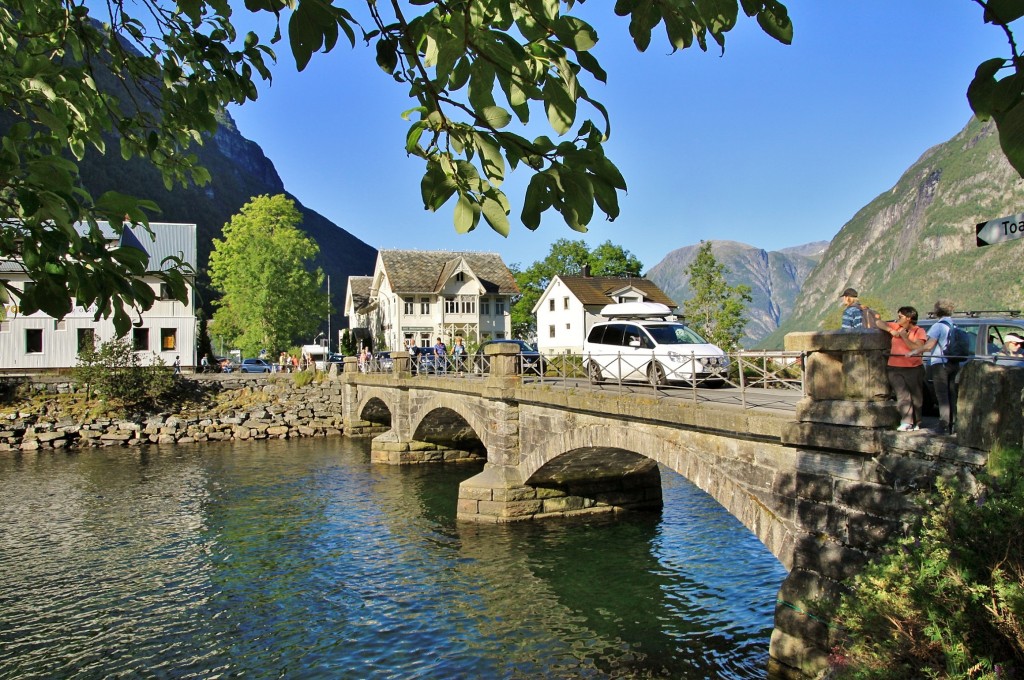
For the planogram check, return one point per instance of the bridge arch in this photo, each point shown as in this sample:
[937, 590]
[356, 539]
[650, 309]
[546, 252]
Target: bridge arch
[447, 428]
[701, 458]
[375, 403]
[431, 411]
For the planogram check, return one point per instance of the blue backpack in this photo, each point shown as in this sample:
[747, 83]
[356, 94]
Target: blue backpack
[958, 343]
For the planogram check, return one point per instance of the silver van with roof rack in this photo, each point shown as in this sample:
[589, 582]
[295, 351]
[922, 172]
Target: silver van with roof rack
[987, 328]
[643, 341]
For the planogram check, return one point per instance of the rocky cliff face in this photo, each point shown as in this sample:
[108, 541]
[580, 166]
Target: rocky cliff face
[774, 278]
[916, 242]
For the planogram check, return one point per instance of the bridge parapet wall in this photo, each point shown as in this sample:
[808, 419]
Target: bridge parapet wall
[846, 405]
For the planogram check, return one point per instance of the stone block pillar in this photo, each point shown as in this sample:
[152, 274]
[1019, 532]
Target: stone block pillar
[504, 363]
[846, 403]
[401, 363]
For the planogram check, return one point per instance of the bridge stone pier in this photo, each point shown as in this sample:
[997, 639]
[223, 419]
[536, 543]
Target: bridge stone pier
[823, 490]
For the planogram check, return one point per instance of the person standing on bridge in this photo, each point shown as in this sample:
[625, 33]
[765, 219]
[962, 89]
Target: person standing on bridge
[856, 315]
[906, 371]
[440, 356]
[940, 369]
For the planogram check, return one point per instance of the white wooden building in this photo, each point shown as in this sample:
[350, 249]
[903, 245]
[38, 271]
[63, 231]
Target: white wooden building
[569, 306]
[39, 342]
[421, 295]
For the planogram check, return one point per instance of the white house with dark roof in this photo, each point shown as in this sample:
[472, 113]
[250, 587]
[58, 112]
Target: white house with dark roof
[167, 330]
[569, 306]
[420, 295]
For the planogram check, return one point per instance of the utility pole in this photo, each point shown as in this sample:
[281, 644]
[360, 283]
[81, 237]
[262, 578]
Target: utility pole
[328, 314]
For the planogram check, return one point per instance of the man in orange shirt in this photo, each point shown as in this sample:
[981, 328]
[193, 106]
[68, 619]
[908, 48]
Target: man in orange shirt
[906, 371]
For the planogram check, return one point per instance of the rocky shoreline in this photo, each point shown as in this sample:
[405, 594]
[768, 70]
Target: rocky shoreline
[242, 408]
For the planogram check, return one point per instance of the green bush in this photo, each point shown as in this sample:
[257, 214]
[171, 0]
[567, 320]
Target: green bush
[113, 370]
[947, 602]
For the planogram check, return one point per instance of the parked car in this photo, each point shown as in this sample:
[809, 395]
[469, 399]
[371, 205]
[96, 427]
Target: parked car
[255, 366]
[532, 362]
[382, 361]
[986, 328]
[640, 342]
[423, 360]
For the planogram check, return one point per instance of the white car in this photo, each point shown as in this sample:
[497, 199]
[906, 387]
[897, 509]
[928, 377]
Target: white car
[641, 342]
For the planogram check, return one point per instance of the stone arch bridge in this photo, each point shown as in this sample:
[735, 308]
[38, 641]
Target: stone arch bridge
[823, 490]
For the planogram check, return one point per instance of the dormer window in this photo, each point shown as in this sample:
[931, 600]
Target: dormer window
[460, 276]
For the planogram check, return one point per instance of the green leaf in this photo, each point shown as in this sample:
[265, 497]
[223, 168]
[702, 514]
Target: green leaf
[466, 215]
[775, 22]
[496, 117]
[1011, 135]
[538, 198]
[981, 91]
[492, 160]
[561, 109]
[496, 215]
[576, 33]
[1003, 11]
[387, 55]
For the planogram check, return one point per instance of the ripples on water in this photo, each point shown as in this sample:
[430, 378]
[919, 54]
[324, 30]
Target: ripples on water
[298, 559]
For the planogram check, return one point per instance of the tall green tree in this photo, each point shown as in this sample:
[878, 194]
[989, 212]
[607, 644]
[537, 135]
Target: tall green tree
[566, 258]
[270, 296]
[716, 309]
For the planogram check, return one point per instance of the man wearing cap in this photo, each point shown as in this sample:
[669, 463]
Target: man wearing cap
[853, 315]
[1010, 354]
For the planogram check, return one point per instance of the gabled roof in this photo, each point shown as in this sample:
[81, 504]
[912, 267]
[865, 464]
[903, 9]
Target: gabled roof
[598, 290]
[426, 271]
[168, 239]
[359, 291]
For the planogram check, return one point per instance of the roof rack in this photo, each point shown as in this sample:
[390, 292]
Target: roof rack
[976, 313]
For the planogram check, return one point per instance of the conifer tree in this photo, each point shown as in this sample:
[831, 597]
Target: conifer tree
[716, 310]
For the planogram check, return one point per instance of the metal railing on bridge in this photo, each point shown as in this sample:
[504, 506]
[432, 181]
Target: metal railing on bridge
[766, 379]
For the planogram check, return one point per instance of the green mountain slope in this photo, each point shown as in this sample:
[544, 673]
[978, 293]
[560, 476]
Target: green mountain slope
[916, 242]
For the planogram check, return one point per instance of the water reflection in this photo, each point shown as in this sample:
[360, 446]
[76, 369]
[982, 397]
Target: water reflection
[299, 559]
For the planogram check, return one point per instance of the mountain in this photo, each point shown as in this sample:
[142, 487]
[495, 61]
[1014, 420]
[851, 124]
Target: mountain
[774, 278]
[916, 242]
[239, 170]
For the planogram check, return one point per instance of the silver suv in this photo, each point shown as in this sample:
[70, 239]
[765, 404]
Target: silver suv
[986, 328]
[641, 342]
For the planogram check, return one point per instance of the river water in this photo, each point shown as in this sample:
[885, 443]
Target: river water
[298, 559]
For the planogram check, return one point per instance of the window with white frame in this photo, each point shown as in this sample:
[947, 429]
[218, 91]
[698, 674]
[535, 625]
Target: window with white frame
[485, 307]
[425, 306]
[409, 304]
[629, 298]
[499, 308]
[460, 276]
[60, 325]
[460, 304]
[565, 302]
[551, 331]
[164, 292]
[551, 305]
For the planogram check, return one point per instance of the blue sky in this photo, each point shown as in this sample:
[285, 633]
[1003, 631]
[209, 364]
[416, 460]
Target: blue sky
[770, 145]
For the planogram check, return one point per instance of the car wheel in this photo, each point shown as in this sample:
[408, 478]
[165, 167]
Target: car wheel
[594, 371]
[656, 374]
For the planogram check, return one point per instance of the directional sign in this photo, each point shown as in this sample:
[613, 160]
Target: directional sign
[1003, 229]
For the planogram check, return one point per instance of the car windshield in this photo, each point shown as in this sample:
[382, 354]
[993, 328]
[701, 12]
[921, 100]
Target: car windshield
[674, 334]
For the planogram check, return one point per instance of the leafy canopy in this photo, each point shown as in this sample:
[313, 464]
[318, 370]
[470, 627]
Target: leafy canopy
[148, 78]
[716, 310]
[566, 258]
[269, 295]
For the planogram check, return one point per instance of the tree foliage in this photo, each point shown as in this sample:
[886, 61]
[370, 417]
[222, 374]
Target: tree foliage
[270, 296]
[149, 78]
[566, 258]
[116, 372]
[716, 309]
